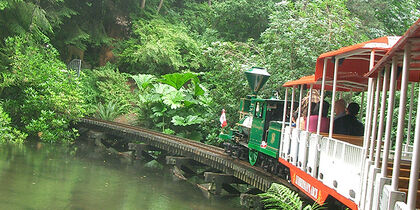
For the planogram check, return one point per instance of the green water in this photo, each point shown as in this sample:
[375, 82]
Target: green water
[55, 177]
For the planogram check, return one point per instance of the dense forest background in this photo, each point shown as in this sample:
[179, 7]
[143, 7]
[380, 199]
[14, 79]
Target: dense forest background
[170, 65]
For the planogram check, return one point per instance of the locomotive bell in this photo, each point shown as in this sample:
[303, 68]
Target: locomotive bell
[256, 77]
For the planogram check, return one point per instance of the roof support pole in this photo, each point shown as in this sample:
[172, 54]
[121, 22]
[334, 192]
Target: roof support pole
[284, 118]
[415, 163]
[371, 87]
[375, 118]
[382, 117]
[362, 106]
[369, 113]
[401, 118]
[366, 163]
[341, 94]
[300, 107]
[292, 105]
[410, 116]
[309, 107]
[390, 111]
[330, 133]
[321, 105]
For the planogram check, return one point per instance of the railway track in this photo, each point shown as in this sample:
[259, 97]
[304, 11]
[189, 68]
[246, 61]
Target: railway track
[206, 154]
[206, 147]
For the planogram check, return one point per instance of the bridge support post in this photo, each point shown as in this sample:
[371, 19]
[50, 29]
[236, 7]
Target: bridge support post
[141, 151]
[96, 137]
[182, 167]
[219, 181]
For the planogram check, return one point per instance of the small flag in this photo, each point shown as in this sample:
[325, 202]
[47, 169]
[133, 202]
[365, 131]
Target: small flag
[223, 122]
[263, 144]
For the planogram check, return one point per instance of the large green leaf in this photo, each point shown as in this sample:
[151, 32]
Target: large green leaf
[173, 99]
[177, 80]
[185, 121]
[144, 81]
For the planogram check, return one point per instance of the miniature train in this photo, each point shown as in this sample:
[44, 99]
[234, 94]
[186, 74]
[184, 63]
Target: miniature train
[257, 138]
[379, 170]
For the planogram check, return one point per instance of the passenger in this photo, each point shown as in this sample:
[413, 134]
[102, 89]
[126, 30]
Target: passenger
[313, 119]
[349, 125]
[340, 108]
[294, 118]
[305, 107]
[298, 122]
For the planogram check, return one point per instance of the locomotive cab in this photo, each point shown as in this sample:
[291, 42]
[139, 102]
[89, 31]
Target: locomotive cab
[266, 126]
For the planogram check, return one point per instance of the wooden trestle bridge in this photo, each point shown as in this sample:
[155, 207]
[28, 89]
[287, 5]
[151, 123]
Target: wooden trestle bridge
[182, 151]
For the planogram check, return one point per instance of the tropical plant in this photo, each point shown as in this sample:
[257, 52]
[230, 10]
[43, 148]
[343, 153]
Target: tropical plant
[280, 197]
[106, 85]
[176, 103]
[108, 111]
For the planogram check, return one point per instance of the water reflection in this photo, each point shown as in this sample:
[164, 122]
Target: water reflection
[53, 177]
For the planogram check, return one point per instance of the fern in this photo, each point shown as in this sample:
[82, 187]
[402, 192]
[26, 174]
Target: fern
[281, 197]
[109, 111]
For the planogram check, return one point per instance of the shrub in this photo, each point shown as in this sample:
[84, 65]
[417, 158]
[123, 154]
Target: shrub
[7, 132]
[106, 85]
[175, 104]
[108, 111]
[159, 47]
[41, 97]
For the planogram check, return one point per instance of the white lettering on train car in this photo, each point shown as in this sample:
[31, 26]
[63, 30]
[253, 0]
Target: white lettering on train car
[306, 186]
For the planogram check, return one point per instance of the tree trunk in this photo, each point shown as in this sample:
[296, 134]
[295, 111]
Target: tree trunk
[143, 4]
[209, 3]
[160, 6]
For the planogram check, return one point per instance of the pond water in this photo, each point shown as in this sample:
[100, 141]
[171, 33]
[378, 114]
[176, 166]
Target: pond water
[58, 177]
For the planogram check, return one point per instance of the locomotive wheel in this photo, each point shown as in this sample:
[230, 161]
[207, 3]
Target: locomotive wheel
[252, 156]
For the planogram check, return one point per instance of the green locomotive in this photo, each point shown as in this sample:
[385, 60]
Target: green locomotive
[258, 133]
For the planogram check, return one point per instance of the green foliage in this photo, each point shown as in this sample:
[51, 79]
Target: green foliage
[50, 127]
[226, 80]
[185, 121]
[159, 47]
[38, 94]
[108, 111]
[106, 85]
[18, 17]
[7, 132]
[302, 30]
[177, 80]
[198, 17]
[280, 197]
[171, 110]
[239, 20]
[384, 18]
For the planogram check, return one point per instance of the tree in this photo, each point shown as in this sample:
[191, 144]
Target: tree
[158, 47]
[302, 30]
[239, 20]
[143, 4]
[159, 7]
[18, 17]
[384, 18]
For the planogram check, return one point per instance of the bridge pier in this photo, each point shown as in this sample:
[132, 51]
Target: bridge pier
[219, 181]
[182, 167]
